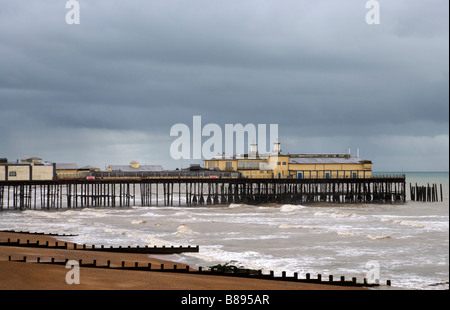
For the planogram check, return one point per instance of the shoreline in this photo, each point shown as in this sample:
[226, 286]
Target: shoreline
[30, 275]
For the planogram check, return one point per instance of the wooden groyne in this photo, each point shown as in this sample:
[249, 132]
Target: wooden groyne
[58, 194]
[426, 193]
[38, 233]
[102, 248]
[241, 273]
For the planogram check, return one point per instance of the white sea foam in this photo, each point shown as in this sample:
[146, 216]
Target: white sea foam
[290, 208]
[209, 254]
[404, 222]
[378, 237]
[237, 205]
[45, 214]
[183, 230]
[94, 212]
[410, 223]
[152, 214]
[183, 213]
[138, 222]
[344, 215]
[151, 240]
[287, 226]
[247, 259]
[320, 213]
[346, 233]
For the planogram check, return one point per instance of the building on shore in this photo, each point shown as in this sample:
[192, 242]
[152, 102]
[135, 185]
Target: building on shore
[29, 169]
[293, 166]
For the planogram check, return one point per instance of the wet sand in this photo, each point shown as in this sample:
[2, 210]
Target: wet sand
[33, 276]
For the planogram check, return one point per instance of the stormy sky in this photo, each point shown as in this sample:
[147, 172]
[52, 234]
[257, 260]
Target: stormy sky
[108, 90]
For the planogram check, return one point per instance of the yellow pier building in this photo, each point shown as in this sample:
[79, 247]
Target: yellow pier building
[293, 166]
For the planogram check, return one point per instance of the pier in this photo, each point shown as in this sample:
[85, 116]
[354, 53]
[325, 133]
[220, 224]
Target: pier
[82, 193]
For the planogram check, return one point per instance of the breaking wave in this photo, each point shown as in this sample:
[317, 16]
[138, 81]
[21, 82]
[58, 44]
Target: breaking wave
[138, 222]
[46, 214]
[378, 237]
[236, 205]
[411, 223]
[290, 208]
[344, 215]
[346, 233]
[183, 230]
[405, 223]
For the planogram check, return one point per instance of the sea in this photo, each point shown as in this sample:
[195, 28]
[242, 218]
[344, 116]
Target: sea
[407, 243]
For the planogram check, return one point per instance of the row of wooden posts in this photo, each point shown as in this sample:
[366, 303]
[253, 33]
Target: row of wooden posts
[128, 249]
[426, 193]
[242, 273]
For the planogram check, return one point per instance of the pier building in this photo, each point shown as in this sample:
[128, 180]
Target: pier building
[292, 166]
[29, 169]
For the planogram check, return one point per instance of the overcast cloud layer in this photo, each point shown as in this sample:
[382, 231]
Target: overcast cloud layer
[108, 91]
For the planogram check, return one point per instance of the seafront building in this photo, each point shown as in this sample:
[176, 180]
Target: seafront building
[33, 169]
[292, 166]
[29, 168]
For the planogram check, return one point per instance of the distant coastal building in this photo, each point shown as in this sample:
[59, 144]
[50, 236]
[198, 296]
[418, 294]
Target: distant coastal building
[29, 169]
[294, 166]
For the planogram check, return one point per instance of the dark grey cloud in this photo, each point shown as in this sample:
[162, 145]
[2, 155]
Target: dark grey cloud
[112, 87]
